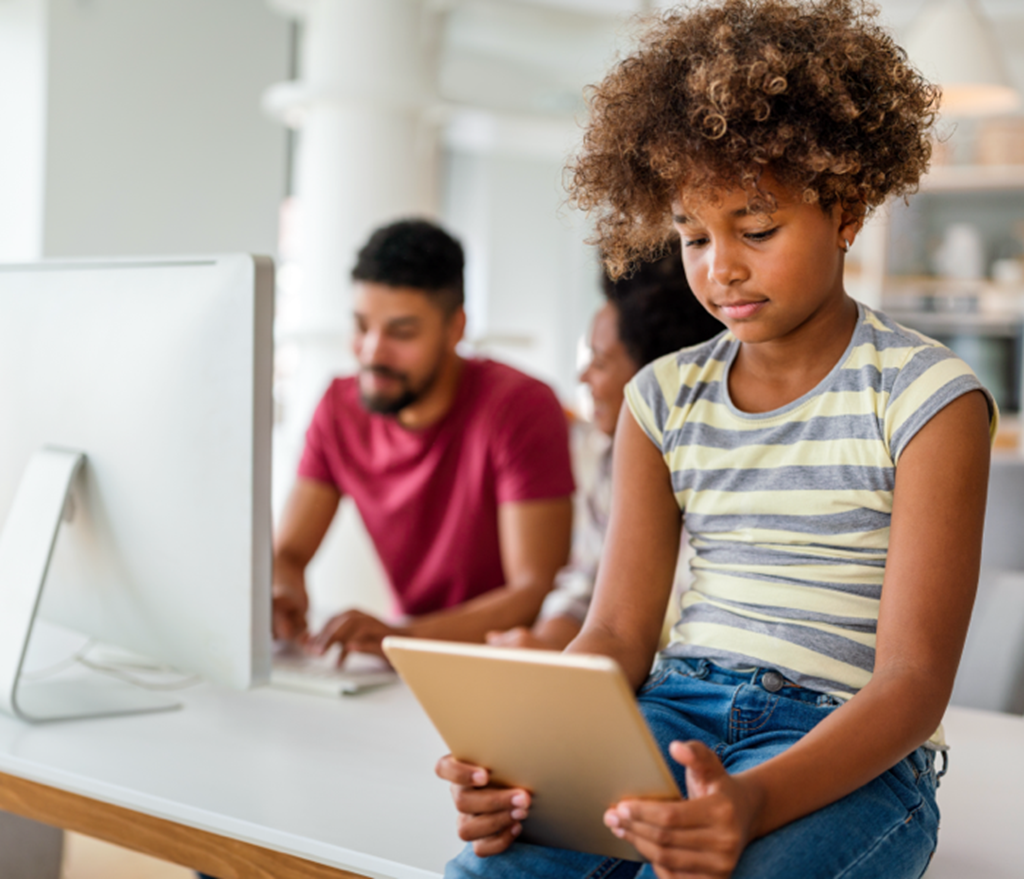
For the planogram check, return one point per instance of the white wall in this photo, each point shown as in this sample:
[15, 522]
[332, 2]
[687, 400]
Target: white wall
[156, 142]
[532, 283]
[22, 128]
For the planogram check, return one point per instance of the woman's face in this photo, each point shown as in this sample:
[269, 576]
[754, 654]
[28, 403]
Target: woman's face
[609, 370]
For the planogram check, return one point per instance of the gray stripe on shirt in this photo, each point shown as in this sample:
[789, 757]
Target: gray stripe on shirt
[826, 477]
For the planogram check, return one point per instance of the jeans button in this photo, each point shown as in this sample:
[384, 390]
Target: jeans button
[772, 681]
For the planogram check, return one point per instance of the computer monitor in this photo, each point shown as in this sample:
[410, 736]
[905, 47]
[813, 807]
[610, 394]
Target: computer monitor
[135, 405]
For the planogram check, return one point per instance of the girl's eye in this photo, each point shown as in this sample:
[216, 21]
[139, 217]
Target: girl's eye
[696, 242]
[761, 236]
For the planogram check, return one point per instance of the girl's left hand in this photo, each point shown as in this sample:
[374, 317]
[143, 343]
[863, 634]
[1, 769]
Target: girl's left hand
[702, 836]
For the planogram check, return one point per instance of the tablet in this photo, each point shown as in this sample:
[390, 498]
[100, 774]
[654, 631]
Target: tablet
[564, 726]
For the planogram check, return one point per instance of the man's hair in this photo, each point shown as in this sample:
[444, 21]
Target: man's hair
[658, 313]
[814, 91]
[415, 253]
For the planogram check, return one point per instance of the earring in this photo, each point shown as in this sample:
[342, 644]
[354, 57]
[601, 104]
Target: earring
[846, 246]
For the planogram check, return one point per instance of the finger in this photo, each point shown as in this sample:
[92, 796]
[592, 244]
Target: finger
[336, 631]
[677, 814]
[508, 638]
[694, 839]
[491, 800]
[703, 768]
[681, 862]
[474, 827]
[461, 773]
[700, 827]
[495, 845]
[364, 641]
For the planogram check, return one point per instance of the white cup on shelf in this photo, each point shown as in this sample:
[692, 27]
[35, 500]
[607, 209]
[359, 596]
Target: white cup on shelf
[961, 255]
[1008, 271]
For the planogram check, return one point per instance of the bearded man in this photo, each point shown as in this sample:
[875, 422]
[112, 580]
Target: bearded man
[459, 466]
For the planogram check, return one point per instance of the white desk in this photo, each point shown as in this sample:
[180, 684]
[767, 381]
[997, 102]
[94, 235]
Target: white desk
[981, 798]
[349, 784]
[345, 783]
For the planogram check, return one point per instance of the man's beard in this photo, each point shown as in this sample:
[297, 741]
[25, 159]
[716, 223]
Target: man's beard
[393, 404]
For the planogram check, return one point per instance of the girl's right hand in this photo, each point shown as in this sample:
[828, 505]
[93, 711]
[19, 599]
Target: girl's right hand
[490, 817]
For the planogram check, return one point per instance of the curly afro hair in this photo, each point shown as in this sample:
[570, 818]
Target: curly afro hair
[657, 311]
[816, 92]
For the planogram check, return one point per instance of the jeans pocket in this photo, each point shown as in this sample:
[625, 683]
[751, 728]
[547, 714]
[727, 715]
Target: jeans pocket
[654, 680]
[906, 777]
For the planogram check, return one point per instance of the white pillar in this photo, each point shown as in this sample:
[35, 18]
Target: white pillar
[366, 154]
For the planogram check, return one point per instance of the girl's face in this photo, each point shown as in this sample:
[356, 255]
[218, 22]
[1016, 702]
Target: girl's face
[763, 275]
[609, 370]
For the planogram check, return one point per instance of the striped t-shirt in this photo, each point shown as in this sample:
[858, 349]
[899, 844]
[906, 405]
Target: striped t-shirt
[789, 510]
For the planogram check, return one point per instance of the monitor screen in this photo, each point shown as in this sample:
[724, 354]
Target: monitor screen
[159, 373]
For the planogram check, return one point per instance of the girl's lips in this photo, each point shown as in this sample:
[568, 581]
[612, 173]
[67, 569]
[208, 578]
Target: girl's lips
[741, 310]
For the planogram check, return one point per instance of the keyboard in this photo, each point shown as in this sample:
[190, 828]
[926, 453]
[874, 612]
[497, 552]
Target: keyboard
[294, 670]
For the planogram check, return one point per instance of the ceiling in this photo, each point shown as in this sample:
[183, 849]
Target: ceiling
[534, 57]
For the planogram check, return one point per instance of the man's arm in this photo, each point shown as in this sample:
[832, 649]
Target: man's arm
[307, 516]
[534, 538]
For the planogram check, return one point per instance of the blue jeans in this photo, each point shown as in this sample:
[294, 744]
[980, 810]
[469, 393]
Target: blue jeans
[887, 828]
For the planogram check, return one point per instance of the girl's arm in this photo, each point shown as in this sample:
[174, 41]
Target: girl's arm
[638, 560]
[930, 581]
[624, 620]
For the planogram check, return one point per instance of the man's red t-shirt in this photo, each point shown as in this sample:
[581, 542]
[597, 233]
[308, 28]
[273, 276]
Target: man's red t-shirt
[429, 498]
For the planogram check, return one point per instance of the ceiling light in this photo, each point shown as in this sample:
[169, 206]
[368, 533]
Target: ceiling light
[952, 45]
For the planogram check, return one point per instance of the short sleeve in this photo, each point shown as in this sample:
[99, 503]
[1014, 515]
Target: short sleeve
[531, 447]
[646, 399]
[315, 461]
[930, 379]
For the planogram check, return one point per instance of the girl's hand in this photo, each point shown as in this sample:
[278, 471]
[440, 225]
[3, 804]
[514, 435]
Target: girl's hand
[703, 835]
[489, 817]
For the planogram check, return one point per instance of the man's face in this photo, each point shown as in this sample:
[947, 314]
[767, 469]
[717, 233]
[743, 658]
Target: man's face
[401, 340]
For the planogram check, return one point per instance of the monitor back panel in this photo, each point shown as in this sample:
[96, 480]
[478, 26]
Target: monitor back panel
[160, 373]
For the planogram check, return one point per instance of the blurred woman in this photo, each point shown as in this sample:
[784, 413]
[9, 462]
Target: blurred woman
[650, 313]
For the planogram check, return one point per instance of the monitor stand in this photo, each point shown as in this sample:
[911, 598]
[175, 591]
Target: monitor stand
[41, 503]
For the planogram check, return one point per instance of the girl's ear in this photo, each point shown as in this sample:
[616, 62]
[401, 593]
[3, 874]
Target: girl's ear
[851, 221]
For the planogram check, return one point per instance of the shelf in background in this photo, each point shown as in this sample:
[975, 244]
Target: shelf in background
[960, 178]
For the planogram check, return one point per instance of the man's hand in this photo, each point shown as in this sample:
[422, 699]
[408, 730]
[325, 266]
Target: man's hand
[703, 835]
[356, 632]
[489, 817]
[552, 633]
[306, 518]
[520, 636]
[290, 606]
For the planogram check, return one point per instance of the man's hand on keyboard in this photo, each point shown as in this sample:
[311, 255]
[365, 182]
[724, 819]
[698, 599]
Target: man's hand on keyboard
[356, 632]
[290, 606]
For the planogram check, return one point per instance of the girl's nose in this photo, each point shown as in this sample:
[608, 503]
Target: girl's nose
[725, 265]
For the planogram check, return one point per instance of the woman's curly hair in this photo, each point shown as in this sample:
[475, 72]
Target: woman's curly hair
[817, 92]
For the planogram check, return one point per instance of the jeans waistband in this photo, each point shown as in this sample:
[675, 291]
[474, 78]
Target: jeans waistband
[767, 678]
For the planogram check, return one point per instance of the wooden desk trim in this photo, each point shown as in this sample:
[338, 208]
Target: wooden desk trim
[201, 850]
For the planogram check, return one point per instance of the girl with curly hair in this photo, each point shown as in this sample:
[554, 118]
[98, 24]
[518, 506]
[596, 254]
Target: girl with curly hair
[830, 465]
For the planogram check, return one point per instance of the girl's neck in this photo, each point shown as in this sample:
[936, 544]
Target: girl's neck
[769, 375]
